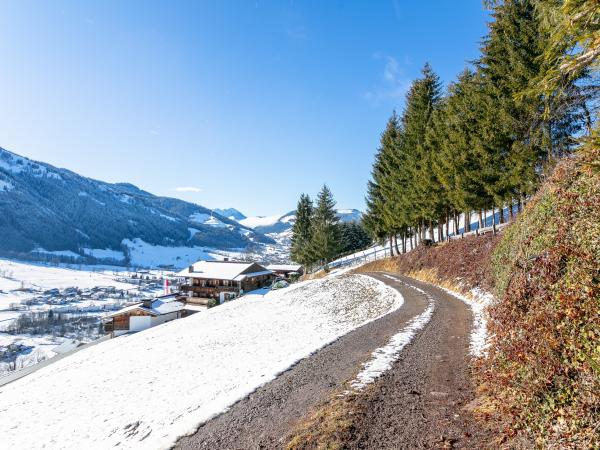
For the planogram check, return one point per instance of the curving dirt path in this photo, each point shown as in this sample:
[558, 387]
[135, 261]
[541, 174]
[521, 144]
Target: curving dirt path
[419, 403]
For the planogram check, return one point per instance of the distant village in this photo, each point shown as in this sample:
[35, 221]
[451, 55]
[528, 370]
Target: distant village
[202, 285]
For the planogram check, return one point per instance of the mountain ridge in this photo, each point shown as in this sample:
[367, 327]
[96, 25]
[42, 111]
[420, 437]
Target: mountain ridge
[49, 210]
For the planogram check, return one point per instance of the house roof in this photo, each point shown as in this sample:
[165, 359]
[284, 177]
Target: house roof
[243, 276]
[159, 306]
[221, 270]
[285, 267]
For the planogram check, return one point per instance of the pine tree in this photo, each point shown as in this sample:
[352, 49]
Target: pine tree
[353, 237]
[384, 216]
[325, 239]
[455, 133]
[518, 138]
[422, 194]
[302, 231]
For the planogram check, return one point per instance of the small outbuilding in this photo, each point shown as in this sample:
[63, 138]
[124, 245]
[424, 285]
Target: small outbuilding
[286, 271]
[144, 315]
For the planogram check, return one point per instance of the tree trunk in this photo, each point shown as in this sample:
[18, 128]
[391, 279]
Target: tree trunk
[511, 213]
[396, 244]
[456, 222]
[481, 219]
[391, 246]
[404, 242]
[447, 224]
[431, 231]
[502, 220]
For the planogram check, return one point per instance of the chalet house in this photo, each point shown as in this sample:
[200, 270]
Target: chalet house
[286, 270]
[223, 280]
[146, 314]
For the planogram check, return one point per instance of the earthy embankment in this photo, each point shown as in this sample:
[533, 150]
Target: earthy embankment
[461, 264]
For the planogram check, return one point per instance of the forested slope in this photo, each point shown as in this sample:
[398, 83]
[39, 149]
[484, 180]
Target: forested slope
[42, 206]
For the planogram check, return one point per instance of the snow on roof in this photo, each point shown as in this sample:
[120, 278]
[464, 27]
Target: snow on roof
[252, 274]
[285, 267]
[166, 306]
[161, 305]
[218, 270]
[66, 346]
[189, 307]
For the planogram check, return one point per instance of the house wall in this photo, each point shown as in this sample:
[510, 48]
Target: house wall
[157, 320]
[139, 323]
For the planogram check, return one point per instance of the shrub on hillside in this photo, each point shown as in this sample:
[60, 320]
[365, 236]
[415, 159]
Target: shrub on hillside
[542, 376]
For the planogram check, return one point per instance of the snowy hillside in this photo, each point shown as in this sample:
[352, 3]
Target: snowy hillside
[145, 390]
[91, 221]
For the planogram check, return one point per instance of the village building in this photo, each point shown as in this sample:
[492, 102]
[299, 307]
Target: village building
[223, 280]
[286, 270]
[146, 314]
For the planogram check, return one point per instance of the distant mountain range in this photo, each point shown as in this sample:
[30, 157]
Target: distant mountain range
[50, 212]
[279, 227]
[47, 213]
[230, 213]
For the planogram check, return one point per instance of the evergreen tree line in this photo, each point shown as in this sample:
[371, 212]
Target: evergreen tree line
[488, 142]
[318, 236]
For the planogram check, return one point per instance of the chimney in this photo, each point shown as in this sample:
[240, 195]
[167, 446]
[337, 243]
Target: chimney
[191, 269]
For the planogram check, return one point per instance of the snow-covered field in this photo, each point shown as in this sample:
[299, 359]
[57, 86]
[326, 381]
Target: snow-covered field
[148, 389]
[18, 280]
[27, 288]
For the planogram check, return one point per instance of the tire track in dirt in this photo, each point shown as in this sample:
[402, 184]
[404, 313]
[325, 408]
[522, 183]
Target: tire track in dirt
[424, 400]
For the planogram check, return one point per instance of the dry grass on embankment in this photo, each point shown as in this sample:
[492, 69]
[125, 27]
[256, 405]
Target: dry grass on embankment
[459, 265]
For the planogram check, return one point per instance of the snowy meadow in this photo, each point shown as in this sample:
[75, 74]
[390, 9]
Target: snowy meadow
[146, 390]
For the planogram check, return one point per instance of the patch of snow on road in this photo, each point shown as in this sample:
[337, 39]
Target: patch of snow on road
[478, 302]
[145, 390]
[384, 357]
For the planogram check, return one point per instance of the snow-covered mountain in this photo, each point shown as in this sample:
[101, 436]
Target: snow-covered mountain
[47, 212]
[279, 227]
[281, 223]
[230, 213]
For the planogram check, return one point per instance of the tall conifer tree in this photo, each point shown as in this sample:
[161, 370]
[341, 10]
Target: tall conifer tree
[302, 231]
[325, 239]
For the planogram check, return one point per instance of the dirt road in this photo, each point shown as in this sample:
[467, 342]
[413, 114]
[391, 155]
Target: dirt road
[419, 403]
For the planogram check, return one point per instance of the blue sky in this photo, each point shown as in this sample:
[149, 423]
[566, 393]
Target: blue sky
[240, 104]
